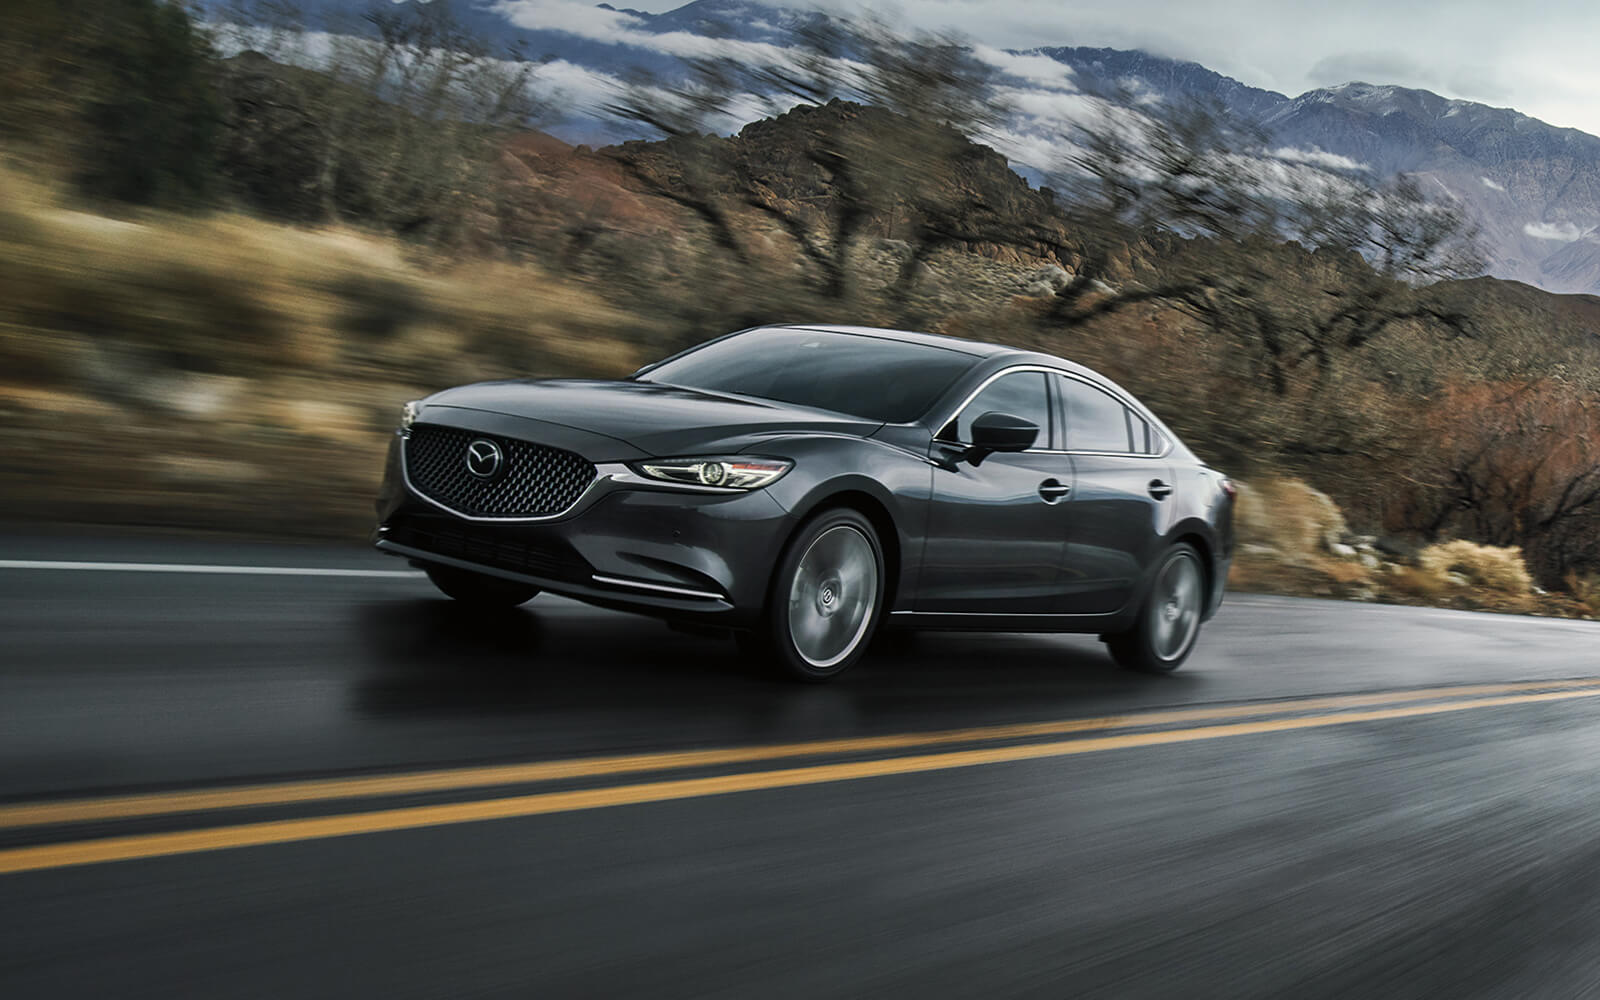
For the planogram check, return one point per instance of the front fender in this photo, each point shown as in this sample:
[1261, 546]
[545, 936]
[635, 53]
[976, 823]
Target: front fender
[892, 484]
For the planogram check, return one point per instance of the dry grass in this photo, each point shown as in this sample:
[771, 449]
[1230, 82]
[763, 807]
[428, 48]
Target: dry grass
[222, 370]
[1412, 582]
[1344, 573]
[1585, 589]
[233, 292]
[1289, 516]
[1485, 566]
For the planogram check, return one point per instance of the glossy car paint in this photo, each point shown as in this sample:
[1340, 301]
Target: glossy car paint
[966, 546]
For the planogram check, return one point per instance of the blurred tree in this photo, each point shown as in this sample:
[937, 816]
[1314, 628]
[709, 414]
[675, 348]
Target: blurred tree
[116, 93]
[1206, 191]
[691, 167]
[1511, 463]
[898, 163]
[396, 119]
[934, 98]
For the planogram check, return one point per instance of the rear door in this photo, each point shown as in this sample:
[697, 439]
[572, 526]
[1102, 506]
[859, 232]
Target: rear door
[997, 530]
[1120, 496]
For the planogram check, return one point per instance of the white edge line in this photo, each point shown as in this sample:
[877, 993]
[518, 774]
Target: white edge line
[48, 564]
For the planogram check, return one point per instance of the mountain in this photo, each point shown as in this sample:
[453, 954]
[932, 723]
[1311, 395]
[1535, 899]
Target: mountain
[1533, 188]
[1574, 265]
[1167, 78]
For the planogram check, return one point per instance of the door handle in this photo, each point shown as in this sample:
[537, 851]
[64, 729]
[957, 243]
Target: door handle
[1053, 490]
[1159, 489]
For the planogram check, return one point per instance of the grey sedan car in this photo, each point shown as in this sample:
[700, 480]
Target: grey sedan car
[802, 487]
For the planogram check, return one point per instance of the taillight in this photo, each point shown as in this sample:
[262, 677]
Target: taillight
[1229, 488]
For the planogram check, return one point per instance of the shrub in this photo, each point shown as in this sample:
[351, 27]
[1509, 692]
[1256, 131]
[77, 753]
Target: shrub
[121, 90]
[1288, 515]
[1488, 566]
[1585, 588]
[1417, 583]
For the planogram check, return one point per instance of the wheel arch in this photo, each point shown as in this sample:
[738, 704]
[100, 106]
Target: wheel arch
[1198, 536]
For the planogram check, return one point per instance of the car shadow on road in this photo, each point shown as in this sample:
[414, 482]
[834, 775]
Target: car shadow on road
[437, 656]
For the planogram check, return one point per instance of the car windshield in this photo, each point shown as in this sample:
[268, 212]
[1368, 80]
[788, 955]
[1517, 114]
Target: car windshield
[871, 377]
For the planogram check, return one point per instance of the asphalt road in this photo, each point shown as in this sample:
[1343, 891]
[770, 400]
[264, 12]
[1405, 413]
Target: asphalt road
[295, 782]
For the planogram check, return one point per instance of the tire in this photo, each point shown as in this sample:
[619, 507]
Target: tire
[1169, 622]
[479, 589]
[825, 600]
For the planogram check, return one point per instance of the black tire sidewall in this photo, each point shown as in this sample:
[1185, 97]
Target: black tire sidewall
[1136, 649]
[775, 631]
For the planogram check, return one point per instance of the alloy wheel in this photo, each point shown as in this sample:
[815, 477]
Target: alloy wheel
[1175, 606]
[832, 596]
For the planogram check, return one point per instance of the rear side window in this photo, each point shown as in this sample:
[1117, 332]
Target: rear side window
[1096, 421]
[1141, 433]
[1021, 394]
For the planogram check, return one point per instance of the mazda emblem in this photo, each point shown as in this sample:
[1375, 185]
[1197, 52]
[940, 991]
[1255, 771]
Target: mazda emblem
[484, 458]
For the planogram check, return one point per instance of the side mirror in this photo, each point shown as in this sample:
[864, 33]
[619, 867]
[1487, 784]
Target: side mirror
[996, 432]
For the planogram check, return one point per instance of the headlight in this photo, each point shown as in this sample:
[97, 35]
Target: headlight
[721, 473]
[408, 414]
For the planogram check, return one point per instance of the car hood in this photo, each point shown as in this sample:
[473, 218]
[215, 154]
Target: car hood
[621, 421]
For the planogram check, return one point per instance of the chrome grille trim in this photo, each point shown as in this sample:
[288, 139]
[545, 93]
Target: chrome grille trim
[567, 477]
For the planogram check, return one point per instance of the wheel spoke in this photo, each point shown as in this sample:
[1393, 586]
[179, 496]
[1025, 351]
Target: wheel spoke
[832, 595]
[1176, 606]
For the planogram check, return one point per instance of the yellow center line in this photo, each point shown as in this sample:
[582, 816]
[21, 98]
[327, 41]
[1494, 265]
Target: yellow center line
[23, 859]
[457, 779]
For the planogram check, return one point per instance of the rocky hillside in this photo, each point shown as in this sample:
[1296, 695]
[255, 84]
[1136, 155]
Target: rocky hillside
[1533, 188]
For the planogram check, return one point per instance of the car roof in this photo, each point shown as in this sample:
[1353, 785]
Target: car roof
[972, 347]
[976, 348]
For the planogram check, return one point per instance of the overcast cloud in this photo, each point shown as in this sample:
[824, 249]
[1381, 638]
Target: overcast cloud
[1538, 57]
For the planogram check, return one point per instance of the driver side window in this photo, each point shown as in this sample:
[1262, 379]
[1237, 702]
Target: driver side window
[1021, 394]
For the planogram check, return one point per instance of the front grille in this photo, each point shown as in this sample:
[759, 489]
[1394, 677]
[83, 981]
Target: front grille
[488, 546]
[537, 480]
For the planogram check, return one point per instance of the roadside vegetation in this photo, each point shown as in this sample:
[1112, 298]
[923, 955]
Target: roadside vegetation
[214, 326]
[222, 372]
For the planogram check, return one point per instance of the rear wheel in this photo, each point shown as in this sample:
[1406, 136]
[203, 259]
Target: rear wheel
[826, 598]
[479, 589]
[1169, 622]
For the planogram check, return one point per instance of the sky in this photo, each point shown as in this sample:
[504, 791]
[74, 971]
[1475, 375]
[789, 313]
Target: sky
[1537, 56]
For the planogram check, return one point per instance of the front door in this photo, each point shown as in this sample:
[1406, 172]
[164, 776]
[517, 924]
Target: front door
[997, 529]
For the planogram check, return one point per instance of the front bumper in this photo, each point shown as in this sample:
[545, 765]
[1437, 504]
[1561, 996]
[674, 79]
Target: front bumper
[658, 550]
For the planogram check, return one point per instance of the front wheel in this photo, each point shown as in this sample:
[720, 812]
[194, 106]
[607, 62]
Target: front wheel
[1169, 622]
[480, 589]
[826, 598]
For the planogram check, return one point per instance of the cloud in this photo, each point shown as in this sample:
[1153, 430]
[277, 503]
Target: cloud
[1491, 185]
[577, 17]
[1479, 83]
[571, 84]
[615, 27]
[1387, 66]
[1027, 66]
[1565, 232]
[1057, 108]
[1318, 158]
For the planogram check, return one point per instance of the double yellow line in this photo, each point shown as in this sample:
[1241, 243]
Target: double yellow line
[1307, 713]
